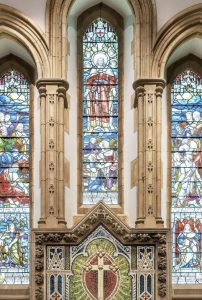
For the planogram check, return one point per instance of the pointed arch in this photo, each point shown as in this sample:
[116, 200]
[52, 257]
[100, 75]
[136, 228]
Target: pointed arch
[181, 27]
[144, 12]
[16, 26]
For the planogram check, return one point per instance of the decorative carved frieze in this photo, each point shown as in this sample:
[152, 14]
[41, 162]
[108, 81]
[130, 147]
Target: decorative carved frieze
[39, 293]
[39, 278]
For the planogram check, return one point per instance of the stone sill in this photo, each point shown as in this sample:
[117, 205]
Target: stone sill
[187, 292]
[14, 292]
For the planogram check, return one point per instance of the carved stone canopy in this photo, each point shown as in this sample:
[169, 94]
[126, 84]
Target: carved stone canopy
[101, 214]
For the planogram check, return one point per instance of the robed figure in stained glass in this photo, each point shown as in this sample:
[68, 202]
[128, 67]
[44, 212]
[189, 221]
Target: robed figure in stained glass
[100, 91]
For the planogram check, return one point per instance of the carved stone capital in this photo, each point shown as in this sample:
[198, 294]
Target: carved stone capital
[142, 82]
[139, 94]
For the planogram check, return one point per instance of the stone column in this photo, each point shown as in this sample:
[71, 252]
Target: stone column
[148, 103]
[53, 100]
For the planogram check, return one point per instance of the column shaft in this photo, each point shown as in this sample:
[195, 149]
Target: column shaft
[148, 102]
[53, 98]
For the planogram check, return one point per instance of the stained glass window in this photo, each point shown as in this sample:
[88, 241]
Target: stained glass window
[100, 113]
[186, 208]
[14, 178]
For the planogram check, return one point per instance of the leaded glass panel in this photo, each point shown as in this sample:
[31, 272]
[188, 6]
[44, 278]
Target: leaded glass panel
[186, 174]
[14, 178]
[100, 113]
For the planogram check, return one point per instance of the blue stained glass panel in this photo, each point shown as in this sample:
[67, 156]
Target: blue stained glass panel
[186, 175]
[100, 113]
[14, 178]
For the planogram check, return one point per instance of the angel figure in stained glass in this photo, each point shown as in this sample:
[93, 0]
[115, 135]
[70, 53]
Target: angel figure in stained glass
[100, 91]
[188, 243]
[189, 182]
[11, 246]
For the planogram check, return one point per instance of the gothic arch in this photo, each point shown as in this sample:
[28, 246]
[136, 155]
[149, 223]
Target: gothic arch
[15, 25]
[184, 25]
[145, 27]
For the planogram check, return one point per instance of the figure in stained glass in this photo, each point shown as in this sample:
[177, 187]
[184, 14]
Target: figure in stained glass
[186, 210]
[188, 243]
[100, 113]
[100, 91]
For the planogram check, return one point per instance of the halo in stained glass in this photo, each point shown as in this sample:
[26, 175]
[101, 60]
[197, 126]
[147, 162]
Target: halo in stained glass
[100, 113]
[14, 178]
[186, 209]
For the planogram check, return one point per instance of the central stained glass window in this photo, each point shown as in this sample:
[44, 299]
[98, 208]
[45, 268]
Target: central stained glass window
[186, 206]
[100, 113]
[14, 178]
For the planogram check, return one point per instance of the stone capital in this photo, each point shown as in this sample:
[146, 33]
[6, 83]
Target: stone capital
[53, 86]
[145, 81]
[52, 81]
[140, 87]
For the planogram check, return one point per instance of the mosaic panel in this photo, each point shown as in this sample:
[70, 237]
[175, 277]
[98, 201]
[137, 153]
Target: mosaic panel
[14, 178]
[186, 174]
[100, 268]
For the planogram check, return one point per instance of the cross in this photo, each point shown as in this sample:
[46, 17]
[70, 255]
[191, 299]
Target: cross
[100, 33]
[101, 267]
[145, 296]
[56, 296]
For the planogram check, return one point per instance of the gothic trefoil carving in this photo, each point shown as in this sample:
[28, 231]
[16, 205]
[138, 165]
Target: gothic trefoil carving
[150, 145]
[150, 166]
[150, 122]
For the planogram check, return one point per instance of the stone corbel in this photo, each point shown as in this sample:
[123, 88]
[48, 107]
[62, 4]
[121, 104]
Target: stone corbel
[53, 101]
[148, 102]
